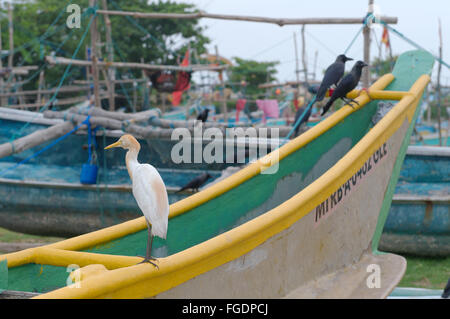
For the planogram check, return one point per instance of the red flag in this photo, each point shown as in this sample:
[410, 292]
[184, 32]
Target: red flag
[385, 37]
[182, 77]
[240, 105]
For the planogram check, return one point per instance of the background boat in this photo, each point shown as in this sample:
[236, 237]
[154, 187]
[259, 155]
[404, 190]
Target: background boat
[419, 218]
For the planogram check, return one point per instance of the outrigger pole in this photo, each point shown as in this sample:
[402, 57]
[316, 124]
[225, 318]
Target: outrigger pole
[134, 65]
[278, 21]
[281, 22]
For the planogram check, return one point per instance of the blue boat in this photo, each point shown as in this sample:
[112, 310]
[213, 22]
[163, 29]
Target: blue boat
[419, 219]
[44, 196]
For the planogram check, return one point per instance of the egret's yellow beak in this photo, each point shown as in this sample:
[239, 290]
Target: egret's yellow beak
[116, 144]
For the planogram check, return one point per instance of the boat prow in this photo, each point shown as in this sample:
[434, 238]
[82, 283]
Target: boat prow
[303, 221]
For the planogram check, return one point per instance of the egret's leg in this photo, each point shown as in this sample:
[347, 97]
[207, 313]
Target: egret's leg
[148, 257]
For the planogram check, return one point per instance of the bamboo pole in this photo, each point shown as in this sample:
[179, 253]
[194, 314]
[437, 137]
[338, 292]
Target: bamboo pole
[109, 86]
[103, 82]
[133, 65]
[105, 122]
[110, 54]
[67, 101]
[439, 85]
[20, 70]
[429, 105]
[304, 59]
[93, 31]
[145, 88]
[11, 35]
[297, 71]
[186, 107]
[278, 21]
[222, 84]
[20, 95]
[4, 101]
[164, 130]
[134, 96]
[366, 35]
[48, 91]
[11, 43]
[40, 86]
[316, 55]
[34, 139]
[96, 111]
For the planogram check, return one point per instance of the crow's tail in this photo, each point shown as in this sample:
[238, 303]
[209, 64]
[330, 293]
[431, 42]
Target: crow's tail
[321, 93]
[327, 106]
[181, 189]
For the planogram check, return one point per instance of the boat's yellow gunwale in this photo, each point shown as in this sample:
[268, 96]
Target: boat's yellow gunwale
[182, 266]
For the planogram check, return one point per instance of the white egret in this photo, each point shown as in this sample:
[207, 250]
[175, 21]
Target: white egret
[148, 190]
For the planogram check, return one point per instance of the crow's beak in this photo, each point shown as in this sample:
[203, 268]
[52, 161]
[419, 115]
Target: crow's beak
[365, 64]
[348, 59]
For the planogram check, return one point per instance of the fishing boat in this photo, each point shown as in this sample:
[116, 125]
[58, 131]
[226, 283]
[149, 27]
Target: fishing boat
[419, 218]
[301, 222]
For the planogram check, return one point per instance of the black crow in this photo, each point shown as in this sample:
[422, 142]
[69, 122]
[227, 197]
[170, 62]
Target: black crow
[332, 76]
[247, 112]
[196, 183]
[203, 116]
[348, 83]
[303, 120]
[446, 292]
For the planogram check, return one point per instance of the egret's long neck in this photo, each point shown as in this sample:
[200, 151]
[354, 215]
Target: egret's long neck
[131, 159]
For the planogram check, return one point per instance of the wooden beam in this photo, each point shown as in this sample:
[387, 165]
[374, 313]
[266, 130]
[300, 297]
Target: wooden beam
[133, 65]
[278, 21]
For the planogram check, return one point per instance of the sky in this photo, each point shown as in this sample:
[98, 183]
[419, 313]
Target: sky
[417, 20]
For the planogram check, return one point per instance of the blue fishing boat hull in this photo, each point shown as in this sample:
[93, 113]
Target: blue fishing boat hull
[44, 196]
[419, 219]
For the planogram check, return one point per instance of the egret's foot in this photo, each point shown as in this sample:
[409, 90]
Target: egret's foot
[149, 260]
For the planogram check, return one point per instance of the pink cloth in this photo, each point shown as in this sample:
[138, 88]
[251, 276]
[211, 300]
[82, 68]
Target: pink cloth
[240, 105]
[269, 108]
